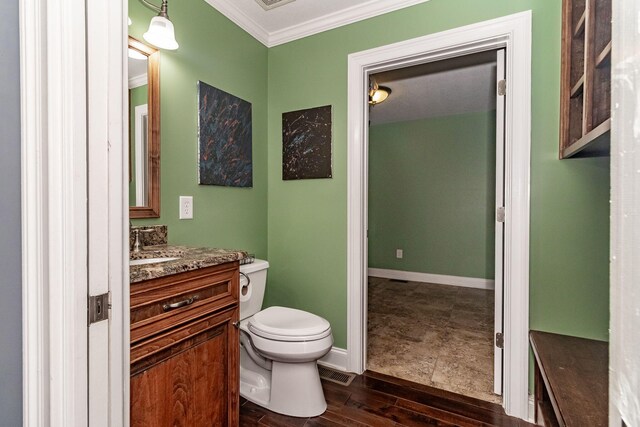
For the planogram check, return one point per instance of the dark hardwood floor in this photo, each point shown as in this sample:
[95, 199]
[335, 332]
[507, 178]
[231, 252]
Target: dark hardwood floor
[375, 399]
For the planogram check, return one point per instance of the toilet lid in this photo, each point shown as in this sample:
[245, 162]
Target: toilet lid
[288, 324]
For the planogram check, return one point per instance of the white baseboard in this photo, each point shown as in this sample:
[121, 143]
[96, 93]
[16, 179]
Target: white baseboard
[336, 359]
[467, 282]
[532, 410]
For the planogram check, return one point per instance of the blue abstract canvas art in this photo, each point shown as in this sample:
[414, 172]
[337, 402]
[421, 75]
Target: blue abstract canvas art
[306, 143]
[224, 138]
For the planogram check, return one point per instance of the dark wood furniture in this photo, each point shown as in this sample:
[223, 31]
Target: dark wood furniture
[585, 82]
[185, 349]
[571, 380]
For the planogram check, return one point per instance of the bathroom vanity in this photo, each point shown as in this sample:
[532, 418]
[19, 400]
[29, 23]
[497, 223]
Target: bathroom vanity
[184, 337]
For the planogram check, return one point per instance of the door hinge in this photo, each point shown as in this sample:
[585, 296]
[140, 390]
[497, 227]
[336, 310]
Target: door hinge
[502, 87]
[500, 214]
[499, 340]
[99, 307]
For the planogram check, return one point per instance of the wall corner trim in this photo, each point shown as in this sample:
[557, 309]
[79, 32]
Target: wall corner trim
[336, 359]
[440, 279]
[338, 19]
[327, 22]
[238, 17]
[532, 410]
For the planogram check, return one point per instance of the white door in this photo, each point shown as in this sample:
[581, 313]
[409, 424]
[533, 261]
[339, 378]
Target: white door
[107, 213]
[499, 221]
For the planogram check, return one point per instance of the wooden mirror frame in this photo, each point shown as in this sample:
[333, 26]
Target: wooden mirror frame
[152, 210]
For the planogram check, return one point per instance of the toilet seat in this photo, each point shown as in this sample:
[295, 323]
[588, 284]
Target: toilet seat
[288, 324]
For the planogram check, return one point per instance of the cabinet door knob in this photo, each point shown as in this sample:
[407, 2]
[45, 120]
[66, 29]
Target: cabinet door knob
[236, 324]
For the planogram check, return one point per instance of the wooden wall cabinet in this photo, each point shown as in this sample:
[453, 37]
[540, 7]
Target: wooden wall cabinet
[185, 349]
[585, 86]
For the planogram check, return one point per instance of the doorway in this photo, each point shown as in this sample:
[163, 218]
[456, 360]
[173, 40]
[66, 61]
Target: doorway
[513, 33]
[434, 244]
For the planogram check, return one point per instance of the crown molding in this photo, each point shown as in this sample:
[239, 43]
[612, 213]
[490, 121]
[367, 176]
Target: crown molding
[314, 26]
[238, 17]
[338, 19]
[138, 81]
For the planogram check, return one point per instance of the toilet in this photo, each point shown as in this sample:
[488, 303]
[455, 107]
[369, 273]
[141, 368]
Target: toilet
[279, 350]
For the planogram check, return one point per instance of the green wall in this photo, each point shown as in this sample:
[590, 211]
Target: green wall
[432, 194]
[216, 51]
[137, 96]
[307, 220]
[304, 223]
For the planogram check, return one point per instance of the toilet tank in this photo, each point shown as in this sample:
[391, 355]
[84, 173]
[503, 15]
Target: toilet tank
[252, 289]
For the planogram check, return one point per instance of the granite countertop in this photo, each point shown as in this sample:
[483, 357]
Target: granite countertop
[188, 258]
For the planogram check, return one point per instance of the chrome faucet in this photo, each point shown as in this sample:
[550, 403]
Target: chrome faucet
[137, 247]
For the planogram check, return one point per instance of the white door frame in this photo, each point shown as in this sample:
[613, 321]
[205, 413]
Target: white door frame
[498, 324]
[624, 344]
[141, 114]
[512, 32]
[54, 71]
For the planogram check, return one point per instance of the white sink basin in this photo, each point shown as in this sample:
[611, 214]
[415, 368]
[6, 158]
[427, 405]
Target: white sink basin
[150, 261]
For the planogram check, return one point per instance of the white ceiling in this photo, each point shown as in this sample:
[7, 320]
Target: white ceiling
[454, 86]
[437, 90]
[300, 18]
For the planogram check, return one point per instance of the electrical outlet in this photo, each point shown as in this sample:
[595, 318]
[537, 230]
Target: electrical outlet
[186, 207]
[399, 253]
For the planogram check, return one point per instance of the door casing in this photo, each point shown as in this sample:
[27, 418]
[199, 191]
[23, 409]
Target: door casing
[61, 218]
[512, 32]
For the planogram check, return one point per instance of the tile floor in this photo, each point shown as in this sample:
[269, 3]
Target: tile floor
[437, 335]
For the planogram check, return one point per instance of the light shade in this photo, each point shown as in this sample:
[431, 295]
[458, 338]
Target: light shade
[378, 95]
[161, 33]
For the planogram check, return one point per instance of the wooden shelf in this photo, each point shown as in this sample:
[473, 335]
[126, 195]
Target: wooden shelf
[603, 56]
[585, 78]
[580, 25]
[595, 143]
[577, 88]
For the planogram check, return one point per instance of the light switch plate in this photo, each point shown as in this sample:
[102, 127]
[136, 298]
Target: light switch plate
[186, 207]
[399, 253]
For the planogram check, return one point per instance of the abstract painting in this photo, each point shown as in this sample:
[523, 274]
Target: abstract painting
[224, 138]
[306, 143]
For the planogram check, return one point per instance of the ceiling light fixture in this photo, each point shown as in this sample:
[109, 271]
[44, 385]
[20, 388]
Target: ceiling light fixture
[160, 32]
[378, 94]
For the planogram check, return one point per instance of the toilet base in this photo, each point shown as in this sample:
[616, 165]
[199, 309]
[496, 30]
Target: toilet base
[292, 389]
[296, 390]
[255, 381]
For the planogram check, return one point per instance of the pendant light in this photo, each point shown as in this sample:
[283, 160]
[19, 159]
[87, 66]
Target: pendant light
[160, 33]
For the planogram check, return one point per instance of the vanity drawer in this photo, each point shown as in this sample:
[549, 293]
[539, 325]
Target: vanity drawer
[161, 347]
[161, 304]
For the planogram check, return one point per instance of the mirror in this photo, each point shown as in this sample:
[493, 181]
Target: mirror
[144, 130]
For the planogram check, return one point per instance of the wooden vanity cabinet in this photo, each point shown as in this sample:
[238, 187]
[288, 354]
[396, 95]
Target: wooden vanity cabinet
[185, 349]
[585, 82]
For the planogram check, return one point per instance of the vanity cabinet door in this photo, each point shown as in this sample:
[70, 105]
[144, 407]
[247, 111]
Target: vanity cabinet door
[189, 376]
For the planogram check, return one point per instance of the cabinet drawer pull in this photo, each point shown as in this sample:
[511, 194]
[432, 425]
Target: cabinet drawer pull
[179, 304]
